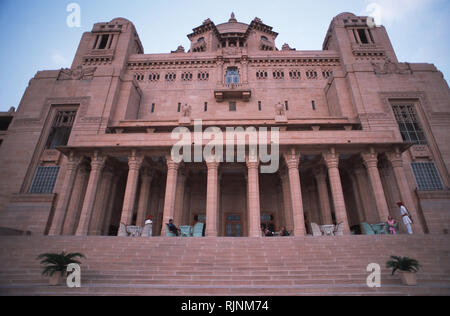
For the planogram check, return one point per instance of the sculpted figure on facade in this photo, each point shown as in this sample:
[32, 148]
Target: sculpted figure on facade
[76, 74]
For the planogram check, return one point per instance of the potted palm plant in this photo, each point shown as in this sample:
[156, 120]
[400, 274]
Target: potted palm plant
[56, 265]
[406, 267]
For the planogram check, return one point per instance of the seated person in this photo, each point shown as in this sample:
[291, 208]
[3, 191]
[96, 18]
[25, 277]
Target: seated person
[268, 232]
[284, 232]
[172, 228]
[392, 225]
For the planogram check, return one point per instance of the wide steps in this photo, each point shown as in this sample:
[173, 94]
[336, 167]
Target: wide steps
[227, 266]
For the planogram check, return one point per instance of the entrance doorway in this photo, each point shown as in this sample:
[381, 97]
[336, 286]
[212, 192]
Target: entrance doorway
[233, 225]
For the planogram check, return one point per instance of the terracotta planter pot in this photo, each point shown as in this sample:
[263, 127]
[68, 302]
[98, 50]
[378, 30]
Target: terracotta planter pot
[56, 279]
[408, 278]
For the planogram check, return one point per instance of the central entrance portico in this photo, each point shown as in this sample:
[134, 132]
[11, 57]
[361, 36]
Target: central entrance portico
[324, 185]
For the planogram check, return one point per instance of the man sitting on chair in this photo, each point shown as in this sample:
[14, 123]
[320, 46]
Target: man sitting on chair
[172, 228]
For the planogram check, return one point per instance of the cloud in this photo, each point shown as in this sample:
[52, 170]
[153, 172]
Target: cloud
[59, 60]
[389, 11]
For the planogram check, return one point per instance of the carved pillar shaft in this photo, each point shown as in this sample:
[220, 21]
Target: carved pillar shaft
[98, 215]
[134, 164]
[144, 198]
[322, 188]
[97, 165]
[254, 207]
[298, 215]
[212, 200]
[332, 161]
[287, 201]
[171, 187]
[371, 162]
[76, 202]
[66, 193]
[405, 191]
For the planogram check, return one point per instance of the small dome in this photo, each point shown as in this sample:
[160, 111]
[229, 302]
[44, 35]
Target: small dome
[232, 27]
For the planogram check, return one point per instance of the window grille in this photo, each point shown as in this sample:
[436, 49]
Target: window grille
[232, 76]
[61, 129]
[409, 124]
[44, 180]
[427, 176]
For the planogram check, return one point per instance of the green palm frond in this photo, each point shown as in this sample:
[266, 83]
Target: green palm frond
[403, 264]
[58, 262]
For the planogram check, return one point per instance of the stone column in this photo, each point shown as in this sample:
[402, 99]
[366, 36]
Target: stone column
[254, 207]
[135, 161]
[287, 200]
[366, 197]
[110, 206]
[144, 197]
[76, 201]
[402, 182]
[322, 188]
[171, 187]
[179, 198]
[212, 209]
[292, 162]
[332, 161]
[371, 163]
[101, 203]
[357, 196]
[73, 162]
[97, 165]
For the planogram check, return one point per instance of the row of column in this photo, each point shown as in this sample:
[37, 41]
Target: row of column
[90, 222]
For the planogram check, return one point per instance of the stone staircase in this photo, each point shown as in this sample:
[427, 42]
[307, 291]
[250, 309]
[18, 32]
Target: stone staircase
[227, 266]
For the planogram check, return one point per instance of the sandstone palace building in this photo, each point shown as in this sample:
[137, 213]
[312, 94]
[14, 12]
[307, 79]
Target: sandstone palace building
[88, 150]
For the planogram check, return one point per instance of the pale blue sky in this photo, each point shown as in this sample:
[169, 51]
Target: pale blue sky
[35, 36]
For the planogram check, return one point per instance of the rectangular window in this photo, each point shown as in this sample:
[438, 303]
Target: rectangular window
[103, 41]
[44, 180]
[287, 105]
[427, 176]
[206, 106]
[61, 129]
[153, 107]
[409, 124]
[314, 105]
[232, 106]
[362, 36]
[259, 106]
[179, 108]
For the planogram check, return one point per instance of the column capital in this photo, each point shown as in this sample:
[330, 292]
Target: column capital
[213, 165]
[292, 159]
[98, 161]
[172, 165]
[135, 160]
[395, 158]
[252, 161]
[370, 159]
[73, 161]
[331, 159]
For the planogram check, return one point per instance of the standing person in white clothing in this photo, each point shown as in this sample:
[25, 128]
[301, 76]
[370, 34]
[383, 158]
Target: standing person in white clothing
[148, 229]
[407, 220]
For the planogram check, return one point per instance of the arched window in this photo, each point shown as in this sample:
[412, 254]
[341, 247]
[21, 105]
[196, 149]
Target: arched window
[232, 75]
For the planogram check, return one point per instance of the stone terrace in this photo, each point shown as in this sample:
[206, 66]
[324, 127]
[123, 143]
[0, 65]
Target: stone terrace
[227, 266]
